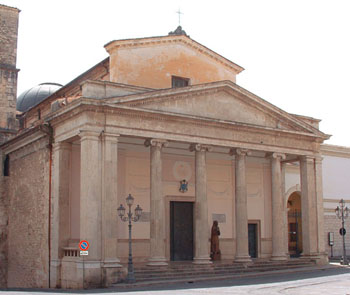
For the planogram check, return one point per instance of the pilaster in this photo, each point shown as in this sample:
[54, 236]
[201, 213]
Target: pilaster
[308, 206]
[60, 223]
[109, 200]
[90, 204]
[320, 209]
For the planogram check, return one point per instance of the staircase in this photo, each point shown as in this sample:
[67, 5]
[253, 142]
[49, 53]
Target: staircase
[189, 272]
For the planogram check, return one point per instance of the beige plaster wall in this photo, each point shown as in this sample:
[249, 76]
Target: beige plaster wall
[154, 65]
[179, 164]
[134, 178]
[28, 216]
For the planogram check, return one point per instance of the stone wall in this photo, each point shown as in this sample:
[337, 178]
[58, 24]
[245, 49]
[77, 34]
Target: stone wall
[333, 224]
[3, 227]
[8, 71]
[28, 191]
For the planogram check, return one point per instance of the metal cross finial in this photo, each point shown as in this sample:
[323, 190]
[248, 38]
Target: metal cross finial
[179, 13]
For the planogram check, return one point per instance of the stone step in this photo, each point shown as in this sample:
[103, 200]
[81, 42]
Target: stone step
[191, 267]
[185, 272]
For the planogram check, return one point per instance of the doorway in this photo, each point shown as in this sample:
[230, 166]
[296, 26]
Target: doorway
[253, 240]
[181, 231]
[295, 243]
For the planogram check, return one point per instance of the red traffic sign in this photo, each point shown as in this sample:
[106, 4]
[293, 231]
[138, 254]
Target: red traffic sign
[84, 245]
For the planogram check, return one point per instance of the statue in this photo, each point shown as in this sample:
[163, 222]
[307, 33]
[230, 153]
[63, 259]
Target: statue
[215, 253]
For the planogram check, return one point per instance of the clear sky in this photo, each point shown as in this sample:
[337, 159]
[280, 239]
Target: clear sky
[296, 53]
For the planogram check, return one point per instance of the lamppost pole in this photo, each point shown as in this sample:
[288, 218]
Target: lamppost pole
[121, 212]
[342, 213]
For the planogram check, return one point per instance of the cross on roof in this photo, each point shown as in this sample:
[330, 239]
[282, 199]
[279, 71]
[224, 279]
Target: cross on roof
[179, 13]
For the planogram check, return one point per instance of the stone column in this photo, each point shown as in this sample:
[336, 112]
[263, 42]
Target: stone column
[60, 227]
[109, 206]
[278, 219]
[157, 214]
[320, 208]
[308, 206]
[201, 227]
[241, 210]
[90, 203]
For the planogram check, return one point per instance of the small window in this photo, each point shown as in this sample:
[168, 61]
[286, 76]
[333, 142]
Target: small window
[39, 114]
[179, 82]
[7, 166]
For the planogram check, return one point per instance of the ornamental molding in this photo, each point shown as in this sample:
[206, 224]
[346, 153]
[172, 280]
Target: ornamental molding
[140, 114]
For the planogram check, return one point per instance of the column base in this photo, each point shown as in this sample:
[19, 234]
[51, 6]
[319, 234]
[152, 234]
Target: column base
[281, 257]
[243, 258]
[55, 273]
[202, 260]
[112, 272]
[320, 258]
[157, 261]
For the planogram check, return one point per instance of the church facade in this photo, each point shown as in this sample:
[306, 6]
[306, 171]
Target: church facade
[162, 119]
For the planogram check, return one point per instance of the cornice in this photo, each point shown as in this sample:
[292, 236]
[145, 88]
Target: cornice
[171, 39]
[14, 9]
[23, 140]
[95, 106]
[335, 150]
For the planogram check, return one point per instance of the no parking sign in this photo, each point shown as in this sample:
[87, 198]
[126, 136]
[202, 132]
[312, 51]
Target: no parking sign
[84, 246]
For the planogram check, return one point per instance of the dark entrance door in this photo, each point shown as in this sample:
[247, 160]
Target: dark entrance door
[181, 231]
[252, 240]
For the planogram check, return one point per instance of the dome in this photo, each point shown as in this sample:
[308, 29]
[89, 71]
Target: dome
[35, 95]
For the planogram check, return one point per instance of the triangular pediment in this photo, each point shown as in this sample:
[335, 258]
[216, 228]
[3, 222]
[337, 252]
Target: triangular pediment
[222, 101]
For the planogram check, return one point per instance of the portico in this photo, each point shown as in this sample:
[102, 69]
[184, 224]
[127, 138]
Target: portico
[230, 176]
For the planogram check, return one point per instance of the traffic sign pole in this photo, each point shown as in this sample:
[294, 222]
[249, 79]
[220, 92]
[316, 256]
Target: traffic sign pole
[84, 246]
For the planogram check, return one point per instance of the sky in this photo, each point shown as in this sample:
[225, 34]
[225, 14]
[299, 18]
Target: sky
[296, 53]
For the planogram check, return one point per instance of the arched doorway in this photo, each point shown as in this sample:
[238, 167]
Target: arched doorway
[295, 243]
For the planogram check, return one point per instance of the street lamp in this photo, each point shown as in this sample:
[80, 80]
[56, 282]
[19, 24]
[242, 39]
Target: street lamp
[342, 213]
[121, 212]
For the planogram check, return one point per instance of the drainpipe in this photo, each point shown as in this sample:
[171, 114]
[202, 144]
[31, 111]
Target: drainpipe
[47, 129]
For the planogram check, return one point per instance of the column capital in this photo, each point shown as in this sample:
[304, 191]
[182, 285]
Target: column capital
[89, 134]
[319, 159]
[156, 142]
[306, 159]
[198, 147]
[110, 136]
[240, 152]
[278, 156]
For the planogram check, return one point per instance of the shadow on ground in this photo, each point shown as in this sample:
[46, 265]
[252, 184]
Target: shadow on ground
[267, 278]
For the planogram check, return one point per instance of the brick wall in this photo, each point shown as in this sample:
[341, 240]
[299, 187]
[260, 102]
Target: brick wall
[28, 216]
[333, 224]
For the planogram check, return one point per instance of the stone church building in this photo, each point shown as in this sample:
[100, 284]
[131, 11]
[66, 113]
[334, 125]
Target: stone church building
[162, 119]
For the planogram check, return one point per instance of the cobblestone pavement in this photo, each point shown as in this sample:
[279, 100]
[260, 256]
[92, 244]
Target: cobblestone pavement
[332, 281]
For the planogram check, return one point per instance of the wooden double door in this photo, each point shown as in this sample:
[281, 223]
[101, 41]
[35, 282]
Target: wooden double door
[181, 231]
